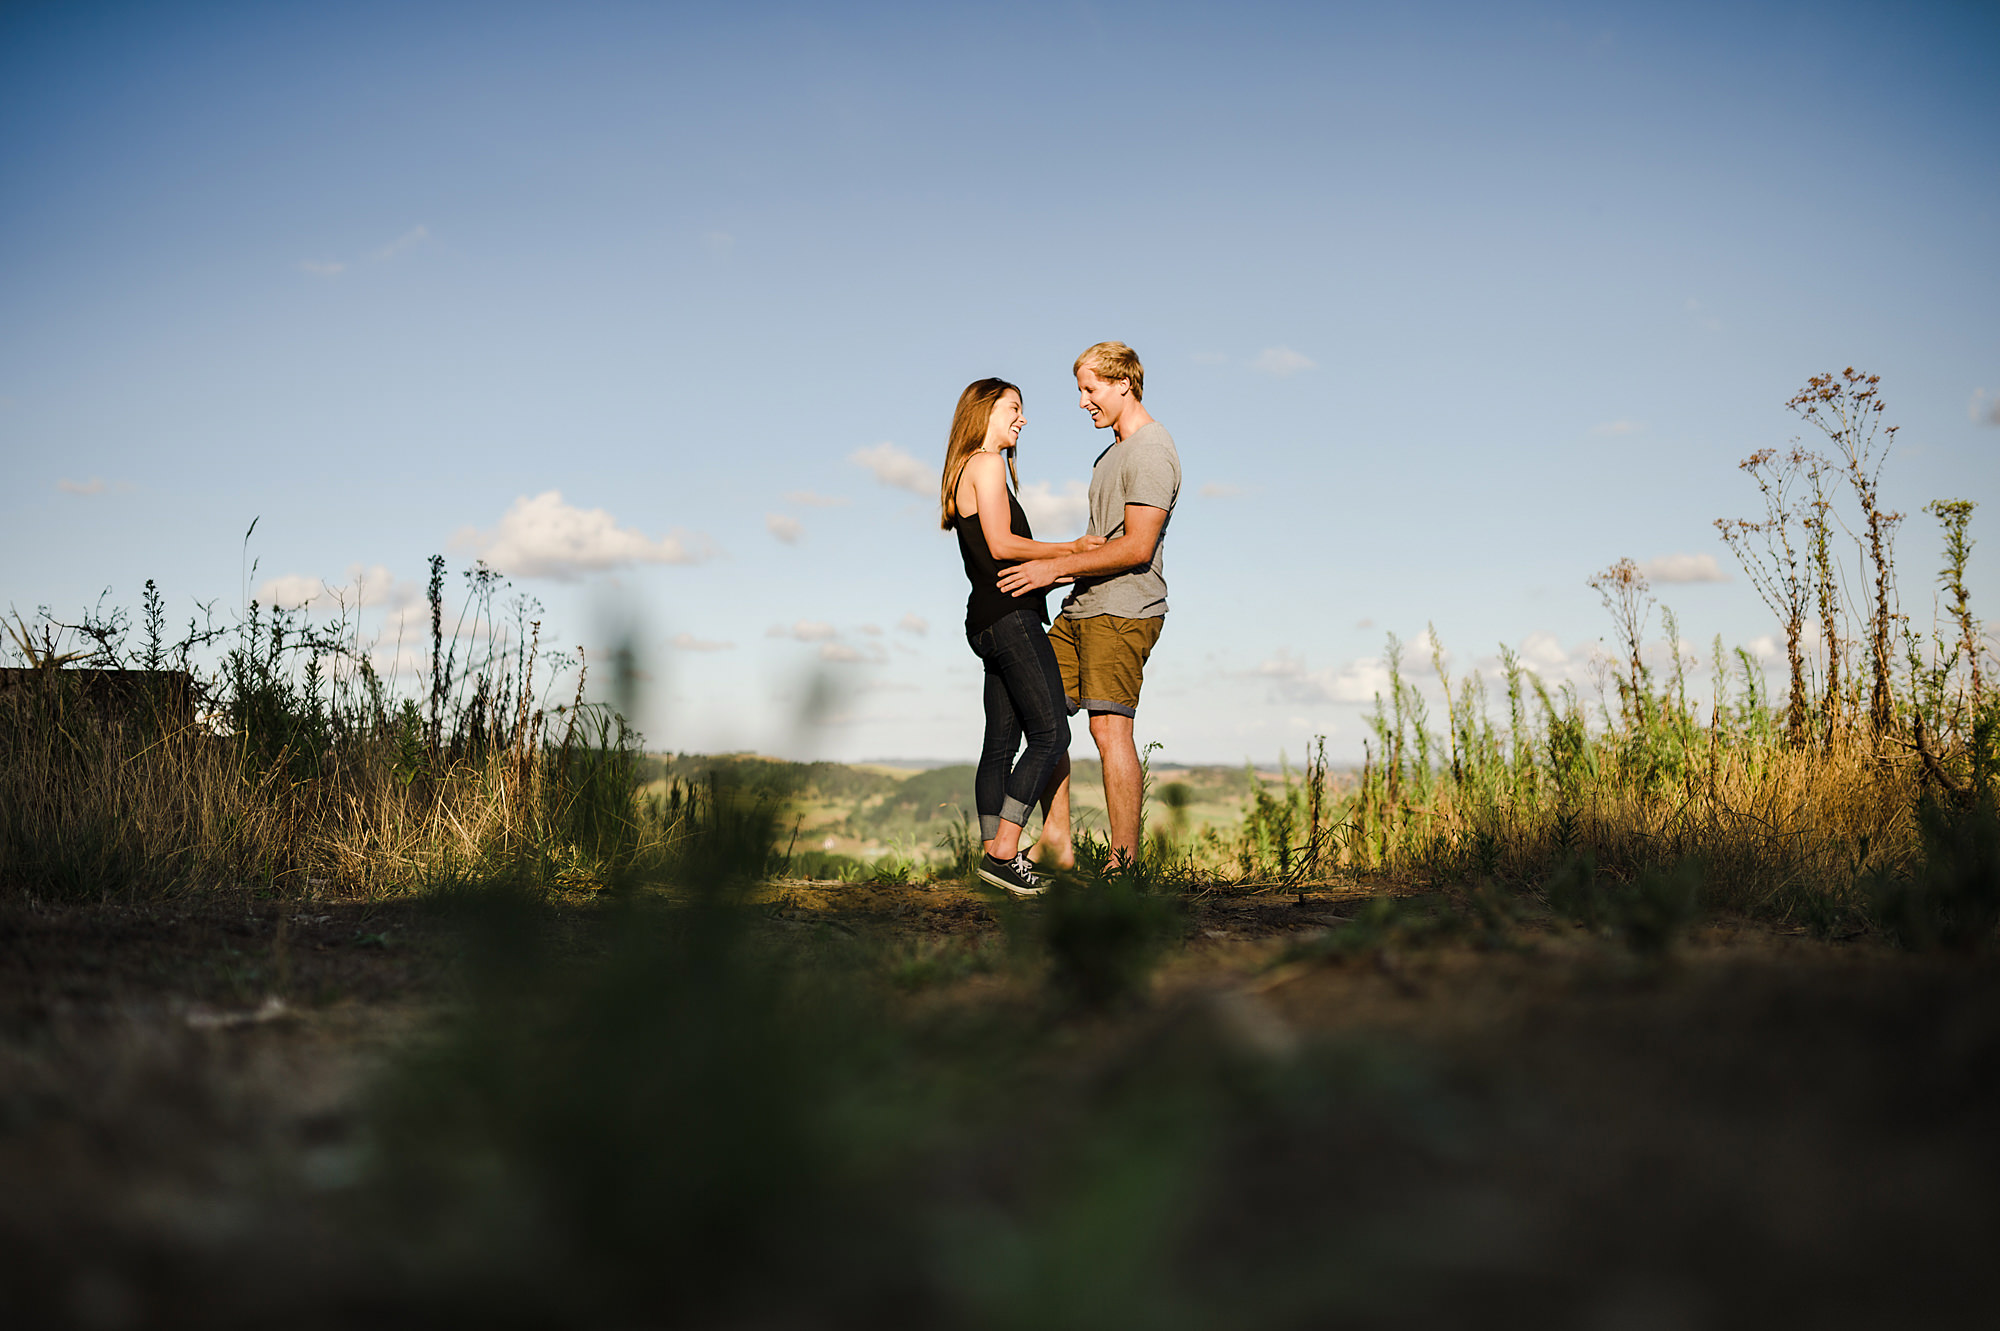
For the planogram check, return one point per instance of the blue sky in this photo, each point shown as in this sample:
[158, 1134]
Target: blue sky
[1448, 306]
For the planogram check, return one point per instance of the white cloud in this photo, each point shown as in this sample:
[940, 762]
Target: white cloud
[402, 244]
[364, 586]
[1612, 429]
[322, 267]
[1293, 682]
[1984, 408]
[1281, 362]
[1051, 513]
[291, 592]
[811, 500]
[1219, 490]
[543, 537]
[913, 623]
[806, 630]
[93, 486]
[1417, 656]
[1364, 623]
[376, 585]
[785, 529]
[1684, 568]
[892, 466]
[842, 654]
[872, 630]
[687, 642]
[1543, 653]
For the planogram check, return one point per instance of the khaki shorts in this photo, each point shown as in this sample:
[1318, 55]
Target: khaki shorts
[1103, 660]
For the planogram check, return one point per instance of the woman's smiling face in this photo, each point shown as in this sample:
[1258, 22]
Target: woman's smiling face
[1003, 427]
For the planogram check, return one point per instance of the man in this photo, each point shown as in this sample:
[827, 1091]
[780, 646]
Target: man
[1113, 617]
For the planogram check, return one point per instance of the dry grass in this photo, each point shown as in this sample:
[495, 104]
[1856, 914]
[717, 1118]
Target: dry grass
[308, 788]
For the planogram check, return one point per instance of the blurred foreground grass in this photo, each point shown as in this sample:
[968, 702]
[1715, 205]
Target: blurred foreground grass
[865, 1106]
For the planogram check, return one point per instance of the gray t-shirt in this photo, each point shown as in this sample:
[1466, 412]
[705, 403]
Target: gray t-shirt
[1142, 469]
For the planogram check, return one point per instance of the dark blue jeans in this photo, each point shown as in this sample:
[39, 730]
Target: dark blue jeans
[1024, 697]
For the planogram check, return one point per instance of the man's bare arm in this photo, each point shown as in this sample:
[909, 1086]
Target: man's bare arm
[1143, 525]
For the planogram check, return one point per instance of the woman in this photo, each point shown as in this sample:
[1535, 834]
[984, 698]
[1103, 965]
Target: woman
[1024, 693]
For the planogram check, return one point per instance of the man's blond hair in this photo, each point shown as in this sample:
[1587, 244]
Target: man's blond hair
[1114, 361]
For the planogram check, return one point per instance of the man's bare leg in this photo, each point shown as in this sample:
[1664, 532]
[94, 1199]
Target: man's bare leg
[1054, 849]
[1122, 782]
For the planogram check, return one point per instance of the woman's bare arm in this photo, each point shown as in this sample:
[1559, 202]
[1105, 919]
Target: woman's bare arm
[1143, 526]
[986, 475]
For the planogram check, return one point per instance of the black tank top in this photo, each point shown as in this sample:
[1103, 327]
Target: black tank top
[988, 604]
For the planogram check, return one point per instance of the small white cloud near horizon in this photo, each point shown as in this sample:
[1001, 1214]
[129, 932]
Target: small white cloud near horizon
[1291, 681]
[687, 642]
[841, 654]
[1542, 652]
[370, 586]
[1220, 490]
[93, 486]
[892, 466]
[375, 585]
[294, 591]
[812, 500]
[1679, 568]
[913, 623]
[806, 630]
[785, 529]
[1612, 429]
[1281, 362]
[322, 267]
[543, 537]
[1051, 513]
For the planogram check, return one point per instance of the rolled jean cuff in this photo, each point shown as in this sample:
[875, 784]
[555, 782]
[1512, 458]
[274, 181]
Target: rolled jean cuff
[989, 826]
[1014, 811]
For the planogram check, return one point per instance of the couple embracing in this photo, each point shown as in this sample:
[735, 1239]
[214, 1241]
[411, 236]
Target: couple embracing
[1093, 657]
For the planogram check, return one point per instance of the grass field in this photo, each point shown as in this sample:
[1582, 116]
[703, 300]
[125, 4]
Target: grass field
[861, 815]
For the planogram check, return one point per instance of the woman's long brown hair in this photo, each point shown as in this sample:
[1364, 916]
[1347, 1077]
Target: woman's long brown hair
[968, 432]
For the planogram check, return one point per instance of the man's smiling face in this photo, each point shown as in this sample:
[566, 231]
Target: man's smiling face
[1104, 399]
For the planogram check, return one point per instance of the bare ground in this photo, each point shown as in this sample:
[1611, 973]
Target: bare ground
[1768, 1129]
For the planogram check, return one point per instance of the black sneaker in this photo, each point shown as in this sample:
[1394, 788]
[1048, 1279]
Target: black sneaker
[1016, 875]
